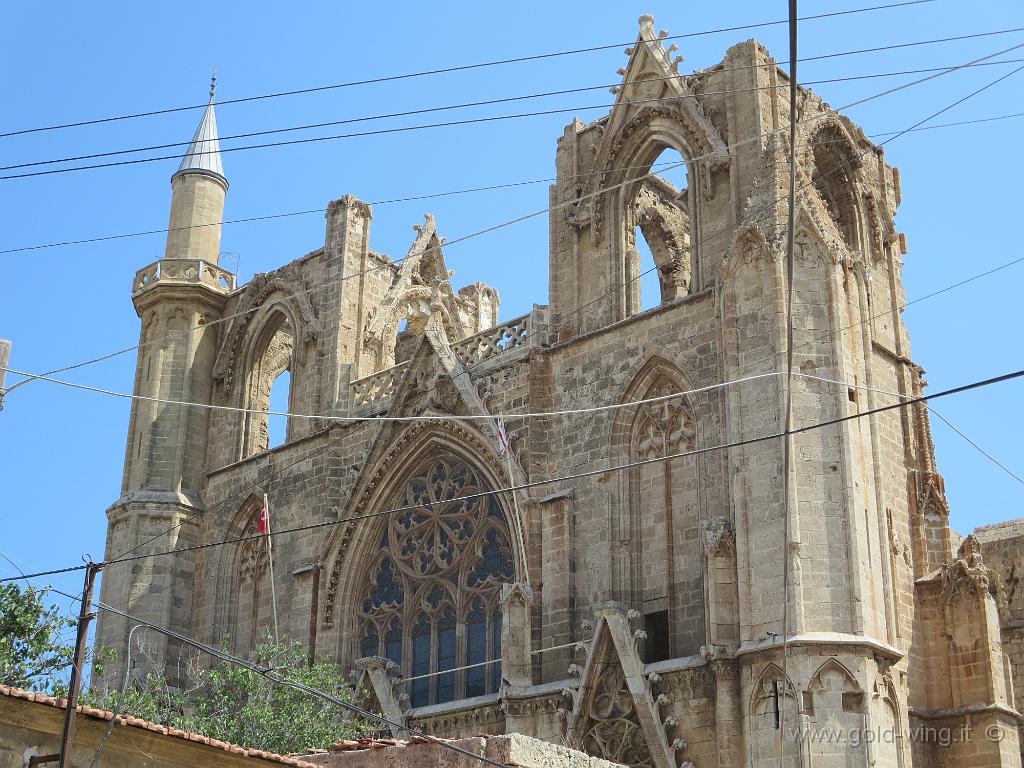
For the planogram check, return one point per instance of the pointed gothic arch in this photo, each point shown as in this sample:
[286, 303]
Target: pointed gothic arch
[243, 608]
[659, 568]
[834, 161]
[666, 217]
[265, 296]
[422, 587]
[773, 704]
[834, 701]
[270, 352]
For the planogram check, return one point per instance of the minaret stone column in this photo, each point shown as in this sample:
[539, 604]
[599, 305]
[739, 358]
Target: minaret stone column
[177, 298]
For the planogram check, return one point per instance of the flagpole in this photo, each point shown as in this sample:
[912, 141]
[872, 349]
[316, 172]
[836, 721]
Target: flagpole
[270, 560]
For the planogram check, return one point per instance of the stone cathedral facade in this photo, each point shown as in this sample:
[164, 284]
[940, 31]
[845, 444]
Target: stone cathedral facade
[627, 599]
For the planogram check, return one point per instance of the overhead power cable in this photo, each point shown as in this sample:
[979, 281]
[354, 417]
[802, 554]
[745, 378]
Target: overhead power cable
[890, 393]
[574, 476]
[469, 105]
[918, 125]
[426, 126]
[450, 193]
[269, 673]
[449, 70]
[781, 199]
[384, 418]
[577, 200]
[786, 442]
[328, 443]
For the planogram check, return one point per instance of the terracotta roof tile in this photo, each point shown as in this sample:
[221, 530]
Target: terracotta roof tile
[103, 714]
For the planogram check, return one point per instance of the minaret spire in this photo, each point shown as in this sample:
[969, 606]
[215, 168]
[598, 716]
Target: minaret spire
[198, 190]
[203, 155]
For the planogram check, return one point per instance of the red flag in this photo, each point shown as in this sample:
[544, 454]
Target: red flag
[502, 437]
[263, 524]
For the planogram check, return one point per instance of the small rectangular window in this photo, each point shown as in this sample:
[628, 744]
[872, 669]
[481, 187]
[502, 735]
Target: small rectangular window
[656, 644]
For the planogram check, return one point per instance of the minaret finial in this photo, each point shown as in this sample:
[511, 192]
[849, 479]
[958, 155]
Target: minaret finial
[213, 84]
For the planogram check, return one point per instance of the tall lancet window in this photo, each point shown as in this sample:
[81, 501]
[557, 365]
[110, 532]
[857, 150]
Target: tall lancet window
[254, 618]
[431, 603]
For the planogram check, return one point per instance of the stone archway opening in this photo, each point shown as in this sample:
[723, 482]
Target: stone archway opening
[658, 234]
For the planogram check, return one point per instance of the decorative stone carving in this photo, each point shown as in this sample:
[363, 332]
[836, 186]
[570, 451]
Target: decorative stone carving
[459, 432]
[614, 713]
[378, 680]
[967, 573]
[294, 300]
[665, 427]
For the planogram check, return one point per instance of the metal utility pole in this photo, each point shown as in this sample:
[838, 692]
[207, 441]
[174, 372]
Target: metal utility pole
[84, 617]
[5, 357]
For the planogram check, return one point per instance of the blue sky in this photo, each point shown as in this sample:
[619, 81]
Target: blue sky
[61, 451]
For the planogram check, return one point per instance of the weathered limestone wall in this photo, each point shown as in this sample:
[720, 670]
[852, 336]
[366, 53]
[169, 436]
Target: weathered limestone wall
[654, 585]
[1002, 546]
[513, 750]
[31, 726]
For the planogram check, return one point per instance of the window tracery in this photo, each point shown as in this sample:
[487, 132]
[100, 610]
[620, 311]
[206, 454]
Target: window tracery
[253, 618]
[834, 178]
[613, 728]
[664, 427]
[432, 599]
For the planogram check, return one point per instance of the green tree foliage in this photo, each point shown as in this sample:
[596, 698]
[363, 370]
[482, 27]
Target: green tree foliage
[33, 651]
[241, 706]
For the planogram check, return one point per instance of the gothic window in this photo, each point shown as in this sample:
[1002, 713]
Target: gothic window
[834, 177]
[658, 236]
[277, 426]
[666, 572]
[269, 386]
[253, 619]
[431, 603]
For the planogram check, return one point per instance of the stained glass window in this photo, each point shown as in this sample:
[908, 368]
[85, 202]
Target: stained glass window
[431, 600]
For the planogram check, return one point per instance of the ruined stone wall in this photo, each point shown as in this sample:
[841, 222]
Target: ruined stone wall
[657, 585]
[1002, 547]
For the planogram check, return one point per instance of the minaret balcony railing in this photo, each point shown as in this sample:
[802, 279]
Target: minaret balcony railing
[183, 272]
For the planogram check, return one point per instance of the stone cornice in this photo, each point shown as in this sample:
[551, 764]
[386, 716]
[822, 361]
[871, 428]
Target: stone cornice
[811, 639]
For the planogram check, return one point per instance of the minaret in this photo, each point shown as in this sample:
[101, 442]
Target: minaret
[199, 187]
[178, 299]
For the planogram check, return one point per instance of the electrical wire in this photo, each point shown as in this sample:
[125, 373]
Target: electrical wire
[575, 476]
[786, 439]
[447, 70]
[468, 105]
[329, 442]
[392, 419]
[445, 124]
[270, 674]
[120, 699]
[766, 209]
[450, 193]
[576, 201]
[946, 421]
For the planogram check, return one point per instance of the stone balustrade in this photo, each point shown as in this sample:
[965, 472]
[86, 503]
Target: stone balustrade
[187, 271]
[493, 341]
[471, 351]
[377, 385]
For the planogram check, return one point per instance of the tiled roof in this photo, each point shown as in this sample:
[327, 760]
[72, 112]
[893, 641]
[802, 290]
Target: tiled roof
[103, 714]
